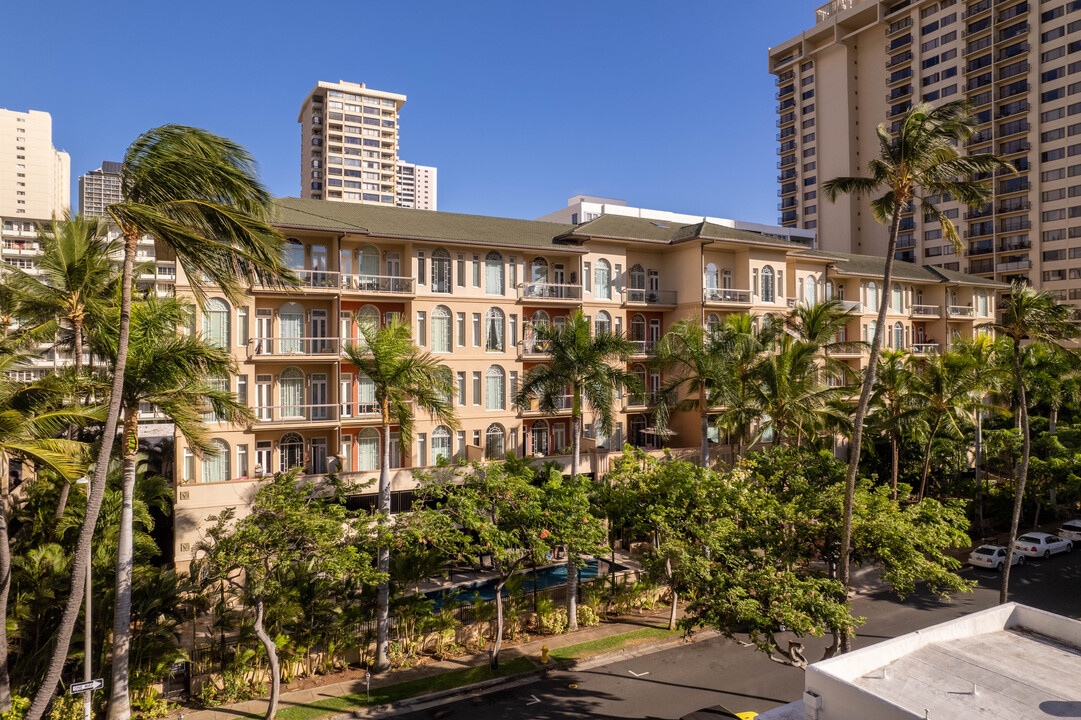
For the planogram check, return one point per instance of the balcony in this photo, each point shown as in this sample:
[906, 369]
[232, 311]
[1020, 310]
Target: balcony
[1017, 205]
[1015, 245]
[642, 400]
[562, 404]
[1012, 266]
[550, 292]
[852, 306]
[974, 10]
[534, 348]
[294, 348]
[925, 311]
[377, 284]
[924, 348]
[727, 296]
[1012, 52]
[643, 347]
[899, 92]
[898, 26]
[1014, 185]
[982, 247]
[899, 59]
[320, 280]
[364, 412]
[899, 42]
[295, 414]
[638, 296]
[960, 311]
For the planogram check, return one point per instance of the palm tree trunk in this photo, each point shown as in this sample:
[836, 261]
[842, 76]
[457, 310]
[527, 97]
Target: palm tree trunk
[5, 587]
[119, 700]
[861, 413]
[497, 641]
[675, 595]
[1022, 470]
[894, 461]
[927, 460]
[45, 692]
[65, 489]
[272, 659]
[705, 427]
[572, 560]
[1053, 421]
[382, 612]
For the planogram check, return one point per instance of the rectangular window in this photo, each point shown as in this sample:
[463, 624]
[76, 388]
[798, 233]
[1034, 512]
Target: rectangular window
[189, 465]
[460, 450]
[242, 327]
[512, 263]
[242, 461]
[242, 390]
[420, 269]
[476, 271]
[422, 328]
[476, 388]
[461, 329]
[461, 389]
[422, 449]
[476, 329]
[461, 269]
[587, 277]
[514, 330]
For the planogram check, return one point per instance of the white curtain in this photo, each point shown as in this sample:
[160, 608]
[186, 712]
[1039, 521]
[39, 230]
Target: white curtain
[216, 469]
[493, 274]
[368, 450]
[440, 444]
[441, 330]
[602, 280]
[494, 333]
[216, 323]
[292, 330]
[365, 394]
[495, 389]
[292, 393]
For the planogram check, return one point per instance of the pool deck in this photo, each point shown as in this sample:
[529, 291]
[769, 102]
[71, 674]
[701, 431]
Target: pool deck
[463, 577]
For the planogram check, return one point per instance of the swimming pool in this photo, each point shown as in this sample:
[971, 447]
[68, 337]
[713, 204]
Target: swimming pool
[547, 576]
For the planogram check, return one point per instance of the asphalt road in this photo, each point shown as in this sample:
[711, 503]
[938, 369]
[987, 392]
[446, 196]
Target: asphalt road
[669, 684]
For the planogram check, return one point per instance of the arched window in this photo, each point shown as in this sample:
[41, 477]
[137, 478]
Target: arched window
[639, 371]
[441, 280]
[495, 446]
[898, 335]
[638, 278]
[216, 462]
[602, 280]
[603, 324]
[495, 388]
[767, 284]
[291, 450]
[294, 254]
[494, 326]
[440, 444]
[291, 393]
[291, 328]
[539, 434]
[493, 274]
[812, 290]
[638, 428]
[216, 322]
[539, 271]
[872, 296]
[368, 456]
[983, 303]
[638, 328]
[712, 277]
[713, 323]
[369, 263]
[441, 333]
[897, 298]
[367, 322]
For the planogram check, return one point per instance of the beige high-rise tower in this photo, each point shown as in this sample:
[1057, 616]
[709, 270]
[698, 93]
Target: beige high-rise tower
[349, 144]
[867, 61]
[35, 177]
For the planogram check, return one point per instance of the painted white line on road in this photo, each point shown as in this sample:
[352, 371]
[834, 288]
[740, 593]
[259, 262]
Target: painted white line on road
[632, 672]
[534, 701]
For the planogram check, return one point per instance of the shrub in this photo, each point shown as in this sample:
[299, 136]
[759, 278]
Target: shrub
[19, 706]
[587, 616]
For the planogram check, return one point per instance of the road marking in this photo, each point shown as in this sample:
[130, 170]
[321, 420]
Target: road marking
[534, 701]
[632, 672]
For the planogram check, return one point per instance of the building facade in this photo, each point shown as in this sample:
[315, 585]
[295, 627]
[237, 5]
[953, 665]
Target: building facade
[349, 144]
[98, 189]
[417, 186]
[35, 177]
[865, 62]
[472, 288]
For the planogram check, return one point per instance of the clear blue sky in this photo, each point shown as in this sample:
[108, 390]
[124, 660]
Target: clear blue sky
[519, 104]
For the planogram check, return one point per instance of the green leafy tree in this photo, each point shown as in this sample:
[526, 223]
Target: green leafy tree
[294, 527]
[920, 161]
[198, 195]
[891, 404]
[174, 373]
[591, 368]
[748, 340]
[406, 380]
[1036, 317]
[792, 392]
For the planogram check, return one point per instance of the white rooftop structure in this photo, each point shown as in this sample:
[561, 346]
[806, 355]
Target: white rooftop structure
[1010, 662]
[583, 208]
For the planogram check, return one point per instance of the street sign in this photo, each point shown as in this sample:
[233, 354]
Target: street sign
[88, 686]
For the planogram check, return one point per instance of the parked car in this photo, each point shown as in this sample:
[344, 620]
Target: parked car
[993, 557]
[717, 712]
[1071, 530]
[1038, 544]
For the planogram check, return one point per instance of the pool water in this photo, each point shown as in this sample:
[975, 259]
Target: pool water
[547, 576]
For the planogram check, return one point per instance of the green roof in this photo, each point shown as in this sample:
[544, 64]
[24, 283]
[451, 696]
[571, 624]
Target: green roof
[621, 227]
[424, 225]
[874, 265]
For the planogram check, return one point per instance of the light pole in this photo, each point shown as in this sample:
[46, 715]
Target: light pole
[88, 675]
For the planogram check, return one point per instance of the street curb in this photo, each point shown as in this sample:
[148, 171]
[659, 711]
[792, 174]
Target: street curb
[442, 697]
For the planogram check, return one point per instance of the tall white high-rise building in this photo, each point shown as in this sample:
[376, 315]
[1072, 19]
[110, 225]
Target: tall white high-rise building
[35, 177]
[417, 186]
[98, 189]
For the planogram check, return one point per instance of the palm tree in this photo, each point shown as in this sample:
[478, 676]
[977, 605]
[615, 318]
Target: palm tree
[892, 403]
[75, 283]
[32, 417]
[403, 376]
[923, 160]
[984, 358]
[198, 195]
[694, 363]
[1053, 381]
[585, 365]
[944, 392]
[174, 373]
[1036, 317]
[792, 392]
[748, 340]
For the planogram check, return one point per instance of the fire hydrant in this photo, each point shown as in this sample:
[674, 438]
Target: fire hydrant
[544, 661]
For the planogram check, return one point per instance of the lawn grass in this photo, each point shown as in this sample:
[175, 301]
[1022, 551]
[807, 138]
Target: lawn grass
[613, 642]
[401, 691]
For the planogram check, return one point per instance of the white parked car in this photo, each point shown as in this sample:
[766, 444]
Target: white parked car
[1038, 544]
[1071, 530]
[993, 557]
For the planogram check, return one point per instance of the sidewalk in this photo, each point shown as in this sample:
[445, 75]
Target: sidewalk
[530, 650]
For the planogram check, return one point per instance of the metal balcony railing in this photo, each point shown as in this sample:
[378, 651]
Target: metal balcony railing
[924, 348]
[727, 295]
[960, 311]
[650, 297]
[378, 284]
[295, 414]
[293, 346]
[926, 310]
[547, 291]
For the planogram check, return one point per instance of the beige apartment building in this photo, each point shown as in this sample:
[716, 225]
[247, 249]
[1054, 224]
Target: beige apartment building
[472, 288]
[35, 177]
[865, 62]
[417, 186]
